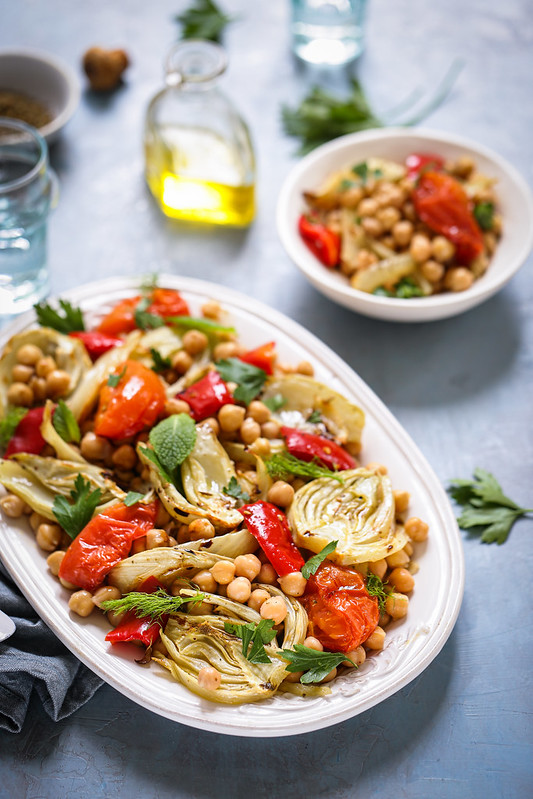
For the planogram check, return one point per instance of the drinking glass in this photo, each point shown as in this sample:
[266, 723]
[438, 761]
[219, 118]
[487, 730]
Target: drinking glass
[328, 32]
[28, 190]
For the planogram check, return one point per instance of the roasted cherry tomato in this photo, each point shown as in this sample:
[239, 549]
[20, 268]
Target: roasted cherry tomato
[104, 542]
[308, 447]
[27, 436]
[121, 319]
[443, 205]
[133, 404]
[96, 343]
[342, 613]
[263, 357]
[207, 396]
[168, 302]
[421, 162]
[323, 242]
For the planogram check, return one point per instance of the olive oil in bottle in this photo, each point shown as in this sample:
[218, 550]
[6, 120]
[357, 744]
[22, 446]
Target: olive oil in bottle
[199, 157]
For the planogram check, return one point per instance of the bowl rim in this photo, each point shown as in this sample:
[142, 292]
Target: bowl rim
[63, 69]
[474, 295]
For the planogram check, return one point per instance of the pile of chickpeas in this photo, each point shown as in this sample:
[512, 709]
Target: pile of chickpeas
[36, 377]
[385, 212]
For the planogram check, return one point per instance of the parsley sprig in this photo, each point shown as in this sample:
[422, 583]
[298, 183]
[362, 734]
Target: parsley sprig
[69, 321]
[275, 402]
[132, 498]
[487, 512]
[283, 463]
[9, 424]
[74, 516]
[250, 379]
[254, 637]
[161, 364]
[153, 606]
[311, 566]
[203, 20]
[144, 319]
[315, 665]
[233, 489]
[65, 423]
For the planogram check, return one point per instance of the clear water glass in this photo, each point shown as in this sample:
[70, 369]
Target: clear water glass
[328, 32]
[28, 190]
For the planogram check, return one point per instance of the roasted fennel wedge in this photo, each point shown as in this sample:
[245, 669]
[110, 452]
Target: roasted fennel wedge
[358, 513]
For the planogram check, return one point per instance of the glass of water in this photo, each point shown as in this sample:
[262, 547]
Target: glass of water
[28, 190]
[328, 32]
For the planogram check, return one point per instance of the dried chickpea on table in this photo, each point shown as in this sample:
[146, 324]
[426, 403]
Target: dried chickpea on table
[229, 484]
[405, 231]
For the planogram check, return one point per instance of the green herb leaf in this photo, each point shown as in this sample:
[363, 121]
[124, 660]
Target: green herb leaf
[315, 417]
[362, 171]
[74, 516]
[487, 511]
[173, 440]
[69, 321]
[283, 463]
[65, 423]
[250, 379]
[9, 424]
[311, 566]
[316, 665]
[407, 288]
[484, 215]
[145, 320]
[256, 635]
[114, 380]
[160, 364]
[233, 489]
[206, 326]
[275, 403]
[132, 498]
[381, 291]
[375, 587]
[203, 20]
[153, 606]
[149, 282]
[150, 454]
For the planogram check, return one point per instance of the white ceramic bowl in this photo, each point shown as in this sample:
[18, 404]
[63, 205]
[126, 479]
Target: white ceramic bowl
[45, 78]
[396, 143]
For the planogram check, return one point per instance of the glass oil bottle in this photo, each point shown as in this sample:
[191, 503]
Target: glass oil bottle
[199, 156]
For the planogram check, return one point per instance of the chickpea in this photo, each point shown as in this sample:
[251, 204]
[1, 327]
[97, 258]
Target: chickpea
[280, 493]
[12, 506]
[201, 528]
[178, 585]
[20, 394]
[374, 466]
[409, 549]
[357, 657]
[379, 568]
[313, 643]
[226, 349]
[401, 500]
[297, 483]
[223, 572]
[257, 598]
[182, 362]
[274, 608]
[376, 640]
[384, 619]
[367, 207]
[396, 195]
[329, 677]
[293, 584]
[38, 386]
[416, 529]
[68, 585]
[250, 431]
[490, 243]
[95, 448]
[57, 383]
[81, 602]
[261, 446]
[364, 259]
[463, 167]
[29, 354]
[200, 609]
[247, 566]
[21, 373]
[213, 424]
[205, 581]
[402, 580]
[162, 516]
[397, 605]
[239, 589]
[54, 560]
[258, 411]
[388, 217]
[209, 678]
[195, 342]
[402, 232]
[294, 676]
[36, 519]
[459, 278]
[156, 538]
[420, 248]
[230, 418]
[211, 309]
[271, 429]
[115, 617]
[351, 197]
[44, 366]
[372, 226]
[267, 574]
[409, 211]
[176, 405]
[48, 536]
[124, 457]
[432, 271]
[442, 249]
[104, 594]
[305, 368]
[139, 545]
[400, 558]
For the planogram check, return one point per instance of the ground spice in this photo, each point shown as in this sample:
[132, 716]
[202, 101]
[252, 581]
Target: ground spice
[16, 105]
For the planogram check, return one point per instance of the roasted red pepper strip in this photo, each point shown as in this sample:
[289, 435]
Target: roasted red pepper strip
[420, 162]
[309, 447]
[104, 542]
[27, 436]
[443, 205]
[269, 525]
[323, 242]
[139, 630]
[263, 357]
[96, 343]
[207, 396]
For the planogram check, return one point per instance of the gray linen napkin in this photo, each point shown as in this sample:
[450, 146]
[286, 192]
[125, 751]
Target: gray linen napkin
[34, 659]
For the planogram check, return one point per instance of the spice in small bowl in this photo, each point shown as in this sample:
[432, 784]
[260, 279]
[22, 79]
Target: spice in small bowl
[18, 105]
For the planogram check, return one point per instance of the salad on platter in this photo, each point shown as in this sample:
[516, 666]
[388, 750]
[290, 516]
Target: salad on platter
[205, 496]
